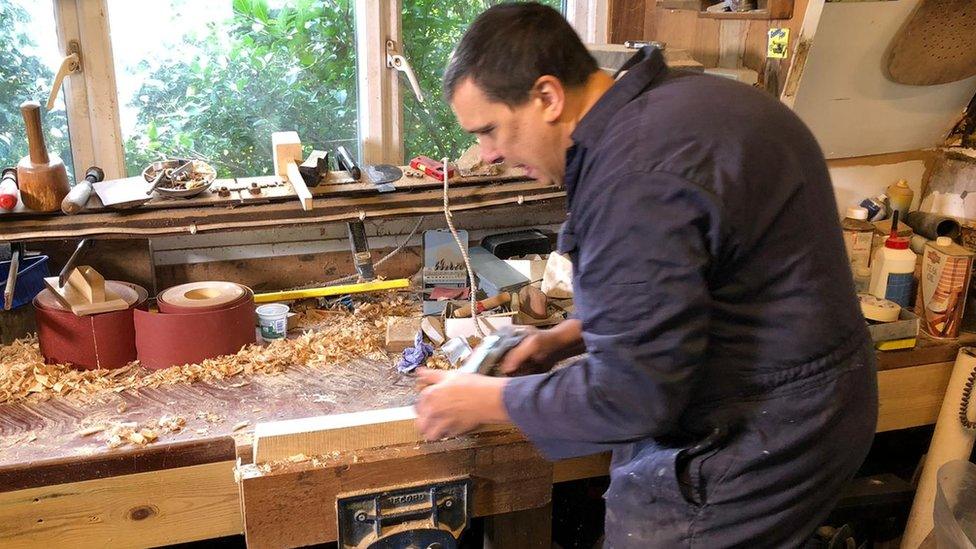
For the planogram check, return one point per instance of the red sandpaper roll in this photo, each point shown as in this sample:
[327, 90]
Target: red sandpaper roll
[187, 334]
[103, 340]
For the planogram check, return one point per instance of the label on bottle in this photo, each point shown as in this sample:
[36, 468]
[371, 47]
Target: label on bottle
[899, 288]
[858, 244]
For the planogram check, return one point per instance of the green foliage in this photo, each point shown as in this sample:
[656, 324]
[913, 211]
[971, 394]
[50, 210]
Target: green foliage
[259, 72]
[431, 29]
[24, 77]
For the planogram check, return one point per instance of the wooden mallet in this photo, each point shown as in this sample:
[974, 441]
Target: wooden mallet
[42, 178]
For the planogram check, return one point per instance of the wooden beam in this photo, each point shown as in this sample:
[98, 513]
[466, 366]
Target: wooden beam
[295, 505]
[327, 435]
[910, 397]
[528, 529]
[140, 510]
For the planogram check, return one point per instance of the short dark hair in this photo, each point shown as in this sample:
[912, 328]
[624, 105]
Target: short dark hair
[509, 46]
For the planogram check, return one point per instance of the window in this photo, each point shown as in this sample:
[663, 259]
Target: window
[214, 79]
[29, 49]
[430, 31]
[222, 76]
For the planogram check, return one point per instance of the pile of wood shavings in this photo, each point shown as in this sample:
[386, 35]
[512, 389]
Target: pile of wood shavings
[333, 336]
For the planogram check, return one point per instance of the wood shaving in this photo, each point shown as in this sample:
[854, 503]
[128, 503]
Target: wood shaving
[438, 361]
[89, 431]
[332, 336]
[298, 458]
[171, 423]
[240, 426]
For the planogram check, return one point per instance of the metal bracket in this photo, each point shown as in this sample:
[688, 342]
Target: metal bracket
[396, 60]
[71, 64]
[428, 515]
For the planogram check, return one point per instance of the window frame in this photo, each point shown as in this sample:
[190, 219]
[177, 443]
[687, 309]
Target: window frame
[91, 97]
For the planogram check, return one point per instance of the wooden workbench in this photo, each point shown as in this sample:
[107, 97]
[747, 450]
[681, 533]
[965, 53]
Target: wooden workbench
[64, 489]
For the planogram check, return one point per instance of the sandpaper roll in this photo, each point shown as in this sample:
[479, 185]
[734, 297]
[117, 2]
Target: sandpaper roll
[102, 340]
[196, 297]
[190, 332]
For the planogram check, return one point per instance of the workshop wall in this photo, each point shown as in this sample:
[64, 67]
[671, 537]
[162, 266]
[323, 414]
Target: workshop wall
[727, 43]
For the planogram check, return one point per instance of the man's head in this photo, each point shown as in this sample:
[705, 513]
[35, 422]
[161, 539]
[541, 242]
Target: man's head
[514, 81]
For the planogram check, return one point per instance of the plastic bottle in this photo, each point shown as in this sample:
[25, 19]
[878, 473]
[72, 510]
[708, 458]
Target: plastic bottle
[8, 189]
[900, 197]
[858, 234]
[893, 269]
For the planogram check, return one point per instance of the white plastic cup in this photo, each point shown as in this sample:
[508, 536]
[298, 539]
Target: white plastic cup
[273, 320]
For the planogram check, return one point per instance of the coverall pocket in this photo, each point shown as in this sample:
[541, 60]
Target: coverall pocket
[646, 475]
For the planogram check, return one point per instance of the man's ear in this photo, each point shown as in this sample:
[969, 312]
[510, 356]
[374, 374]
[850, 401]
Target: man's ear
[551, 95]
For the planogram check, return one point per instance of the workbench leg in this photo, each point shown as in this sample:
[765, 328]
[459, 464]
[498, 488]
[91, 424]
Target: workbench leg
[529, 529]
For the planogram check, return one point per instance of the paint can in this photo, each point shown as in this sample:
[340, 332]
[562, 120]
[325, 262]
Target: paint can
[946, 271]
[273, 320]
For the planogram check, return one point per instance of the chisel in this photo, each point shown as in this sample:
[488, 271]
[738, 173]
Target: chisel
[77, 199]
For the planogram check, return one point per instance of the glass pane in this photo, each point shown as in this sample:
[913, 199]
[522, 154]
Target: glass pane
[214, 79]
[30, 58]
[431, 29]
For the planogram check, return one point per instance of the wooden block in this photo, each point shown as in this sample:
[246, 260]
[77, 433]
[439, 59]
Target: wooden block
[285, 147]
[71, 297]
[433, 328]
[506, 472]
[400, 333]
[88, 282]
[298, 184]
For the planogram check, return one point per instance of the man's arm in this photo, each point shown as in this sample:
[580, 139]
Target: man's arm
[644, 304]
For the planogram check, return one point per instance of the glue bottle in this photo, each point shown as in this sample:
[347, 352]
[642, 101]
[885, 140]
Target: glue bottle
[893, 269]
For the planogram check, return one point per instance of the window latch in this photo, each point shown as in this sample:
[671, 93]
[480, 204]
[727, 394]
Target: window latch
[71, 64]
[396, 60]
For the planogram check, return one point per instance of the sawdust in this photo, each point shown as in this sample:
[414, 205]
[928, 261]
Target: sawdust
[331, 336]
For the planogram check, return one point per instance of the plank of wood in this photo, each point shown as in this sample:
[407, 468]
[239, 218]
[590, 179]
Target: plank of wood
[506, 472]
[338, 433]
[140, 510]
[910, 397]
[73, 295]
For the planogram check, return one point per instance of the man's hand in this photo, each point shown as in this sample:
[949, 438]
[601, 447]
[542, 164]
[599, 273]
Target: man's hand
[454, 403]
[542, 349]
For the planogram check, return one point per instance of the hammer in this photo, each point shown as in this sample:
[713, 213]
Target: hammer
[77, 199]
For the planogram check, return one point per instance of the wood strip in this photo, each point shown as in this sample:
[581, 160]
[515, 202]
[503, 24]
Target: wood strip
[339, 433]
[911, 397]
[24, 475]
[141, 510]
[506, 472]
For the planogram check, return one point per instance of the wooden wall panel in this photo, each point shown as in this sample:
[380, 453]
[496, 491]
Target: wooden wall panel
[712, 42]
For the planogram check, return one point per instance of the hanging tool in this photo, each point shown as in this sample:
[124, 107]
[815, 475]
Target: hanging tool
[347, 163]
[8, 189]
[77, 199]
[431, 167]
[42, 177]
[383, 176]
[16, 251]
[360, 250]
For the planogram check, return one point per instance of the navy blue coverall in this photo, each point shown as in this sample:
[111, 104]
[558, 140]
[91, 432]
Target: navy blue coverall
[728, 366]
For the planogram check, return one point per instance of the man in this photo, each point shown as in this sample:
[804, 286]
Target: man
[728, 366]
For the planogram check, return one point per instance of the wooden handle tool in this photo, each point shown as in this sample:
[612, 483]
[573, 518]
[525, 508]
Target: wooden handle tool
[484, 305]
[77, 198]
[42, 177]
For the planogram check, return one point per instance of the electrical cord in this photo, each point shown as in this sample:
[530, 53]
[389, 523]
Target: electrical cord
[464, 254]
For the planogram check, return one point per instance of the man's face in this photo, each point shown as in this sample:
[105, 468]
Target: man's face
[525, 135]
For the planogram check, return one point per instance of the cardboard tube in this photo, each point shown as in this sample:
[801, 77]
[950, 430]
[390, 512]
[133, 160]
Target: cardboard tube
[950, 441]
[932, 226]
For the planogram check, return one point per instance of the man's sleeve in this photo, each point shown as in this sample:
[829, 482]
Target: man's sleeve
[644, 302]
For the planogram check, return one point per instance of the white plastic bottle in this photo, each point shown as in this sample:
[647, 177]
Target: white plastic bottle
[893, 271]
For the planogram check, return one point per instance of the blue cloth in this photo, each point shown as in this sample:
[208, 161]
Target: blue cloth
[712, 284]
[415, 356]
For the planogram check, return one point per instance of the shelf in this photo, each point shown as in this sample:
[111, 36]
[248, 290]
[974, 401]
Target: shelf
[765, 9]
